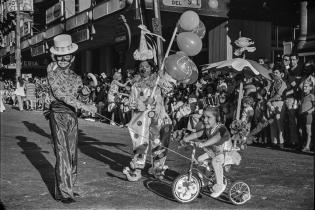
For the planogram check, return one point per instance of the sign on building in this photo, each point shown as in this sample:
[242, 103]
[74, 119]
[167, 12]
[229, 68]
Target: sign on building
[25, 5]
[107, 8]
[26, 29]
[215, 8]
[55, 12]
[287, 48]
[77, 21]
[38, 50]
[183, 3]
[37, 38]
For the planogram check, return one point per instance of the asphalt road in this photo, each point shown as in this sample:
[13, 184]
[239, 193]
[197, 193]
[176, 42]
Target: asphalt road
[278, 179]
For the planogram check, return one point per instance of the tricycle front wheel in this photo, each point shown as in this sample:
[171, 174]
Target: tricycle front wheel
[186, 190]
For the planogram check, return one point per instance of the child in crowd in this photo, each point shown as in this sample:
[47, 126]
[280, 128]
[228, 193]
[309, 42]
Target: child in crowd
[246, 120]
[248, 111]
[222, 85]
[225, 110]
[260, 115]
[195, 113]
[113, 93]
[306, 110]
[216, 145]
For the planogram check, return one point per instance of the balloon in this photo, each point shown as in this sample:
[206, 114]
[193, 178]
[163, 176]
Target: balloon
[193, 77]
[200, 30]
[180, 67]
[181, 53]
[189, 20]
[189, 43]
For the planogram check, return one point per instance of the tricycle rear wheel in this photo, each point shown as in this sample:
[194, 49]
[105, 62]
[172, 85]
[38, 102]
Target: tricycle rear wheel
[239, 193]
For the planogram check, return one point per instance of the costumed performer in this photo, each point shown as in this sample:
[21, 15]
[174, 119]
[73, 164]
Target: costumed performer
[64, 86]
[149, 122]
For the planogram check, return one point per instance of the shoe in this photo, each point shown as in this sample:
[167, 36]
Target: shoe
[217, 190]
[281, 146]
[306, 149]
[66, 200]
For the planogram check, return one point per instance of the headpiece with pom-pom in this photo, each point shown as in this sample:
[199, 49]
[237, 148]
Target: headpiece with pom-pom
[146, 50]
[143, 52]
[244, 45]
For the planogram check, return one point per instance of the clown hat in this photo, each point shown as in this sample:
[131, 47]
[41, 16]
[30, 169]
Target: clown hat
[63, 45]
[143, 52]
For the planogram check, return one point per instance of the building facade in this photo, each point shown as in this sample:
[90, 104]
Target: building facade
[107, 31]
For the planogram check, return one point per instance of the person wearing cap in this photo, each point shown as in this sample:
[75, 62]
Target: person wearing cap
[64, 85]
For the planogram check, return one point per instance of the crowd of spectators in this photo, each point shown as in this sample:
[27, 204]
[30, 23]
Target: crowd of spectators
[26, 94]
[281, 109]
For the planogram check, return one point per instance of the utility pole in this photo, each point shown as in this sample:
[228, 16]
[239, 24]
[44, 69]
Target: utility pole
[157, 29]
[18, 41]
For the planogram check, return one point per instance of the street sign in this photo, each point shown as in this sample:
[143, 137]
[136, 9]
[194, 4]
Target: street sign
[183, 3]
[25, 5]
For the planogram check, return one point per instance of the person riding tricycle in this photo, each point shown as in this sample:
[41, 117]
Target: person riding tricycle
[218, 148]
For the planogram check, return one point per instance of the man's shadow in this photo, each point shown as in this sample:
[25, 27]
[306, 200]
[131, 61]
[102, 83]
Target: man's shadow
[35, 155]
[96, 149]
[116, 160]
[32, 127]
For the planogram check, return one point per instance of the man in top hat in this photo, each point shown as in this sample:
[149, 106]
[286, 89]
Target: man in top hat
[64, 85]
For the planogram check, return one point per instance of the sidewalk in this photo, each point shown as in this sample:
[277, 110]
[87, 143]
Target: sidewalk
[278, 179]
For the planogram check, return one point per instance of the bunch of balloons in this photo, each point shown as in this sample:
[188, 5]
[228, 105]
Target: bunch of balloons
[191, 30]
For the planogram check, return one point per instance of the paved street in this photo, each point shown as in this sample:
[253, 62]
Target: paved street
[278, 179]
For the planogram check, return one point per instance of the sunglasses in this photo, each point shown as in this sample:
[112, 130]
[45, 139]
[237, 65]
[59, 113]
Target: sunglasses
[63, 57]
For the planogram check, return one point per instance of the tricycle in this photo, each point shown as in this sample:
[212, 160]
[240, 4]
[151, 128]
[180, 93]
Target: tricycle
[187, 186]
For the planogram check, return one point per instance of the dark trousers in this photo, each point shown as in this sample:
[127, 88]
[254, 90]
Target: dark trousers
[64, 131]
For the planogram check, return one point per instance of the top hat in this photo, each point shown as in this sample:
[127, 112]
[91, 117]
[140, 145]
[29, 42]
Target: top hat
[63, 45]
